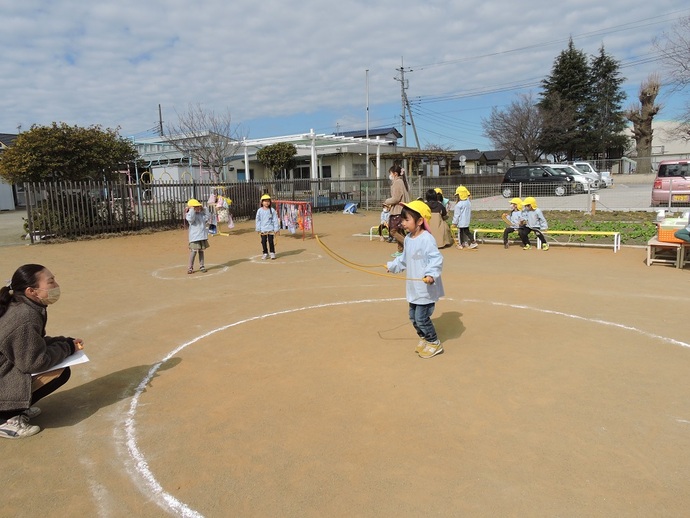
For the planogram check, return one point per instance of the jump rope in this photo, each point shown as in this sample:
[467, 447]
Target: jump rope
[362, 267]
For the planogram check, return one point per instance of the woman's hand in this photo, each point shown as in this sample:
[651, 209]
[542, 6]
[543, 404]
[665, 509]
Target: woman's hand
[428, 279]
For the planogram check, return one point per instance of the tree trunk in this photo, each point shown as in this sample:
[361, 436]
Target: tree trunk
[642, 116]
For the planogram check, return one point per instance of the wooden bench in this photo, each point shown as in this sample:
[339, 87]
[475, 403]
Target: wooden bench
[570, 233]
[677, 254]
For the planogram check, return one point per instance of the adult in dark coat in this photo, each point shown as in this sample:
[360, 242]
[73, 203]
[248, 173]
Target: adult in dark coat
[25, 350]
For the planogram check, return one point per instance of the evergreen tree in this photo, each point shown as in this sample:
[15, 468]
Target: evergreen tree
[581, 106]
[563, 103]
[279, 158]
[63, 152]
[605, 115]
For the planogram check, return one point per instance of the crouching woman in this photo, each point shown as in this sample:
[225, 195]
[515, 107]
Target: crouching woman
[25, 349]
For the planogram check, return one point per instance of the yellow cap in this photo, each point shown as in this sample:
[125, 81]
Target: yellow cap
[193, 203]
[462, 192]
[420, 207]
[518, 202]
[530, 201]
[438, 190]
[266, 197]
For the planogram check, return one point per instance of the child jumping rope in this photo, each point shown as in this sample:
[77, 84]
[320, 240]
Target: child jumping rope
[423, 262]
[197, 217]
[267, 225]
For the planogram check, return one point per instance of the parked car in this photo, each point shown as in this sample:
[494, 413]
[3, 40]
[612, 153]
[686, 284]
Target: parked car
[605, 178]
[583, 182]
[592, 178]
[672, 183]
[535, 180]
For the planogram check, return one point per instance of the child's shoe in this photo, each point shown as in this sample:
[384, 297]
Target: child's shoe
[506, 245]
[273, 256]
[431, 350]
[264, 257]
[527, 247]
[473, 245]
[202, 269]
[190, 270]
[18, 427]
[420, 346]
[545, 246]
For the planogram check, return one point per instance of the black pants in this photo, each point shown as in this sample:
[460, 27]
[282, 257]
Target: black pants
[506, 234]
[40, 393]
[268, 238]
[524, 234]
[464, 236]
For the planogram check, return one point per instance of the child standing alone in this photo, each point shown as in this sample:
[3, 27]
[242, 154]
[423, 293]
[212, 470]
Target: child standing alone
[267, 225]
[197, 217]
[462, 214]
[423, 262]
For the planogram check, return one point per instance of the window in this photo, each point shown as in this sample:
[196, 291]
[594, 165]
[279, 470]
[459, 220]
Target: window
[302, 172]
[242, 177]
[359, 170]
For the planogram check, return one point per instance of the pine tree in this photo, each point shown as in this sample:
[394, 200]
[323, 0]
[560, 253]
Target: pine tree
[563, 103]
[581, 106]
[605, 114]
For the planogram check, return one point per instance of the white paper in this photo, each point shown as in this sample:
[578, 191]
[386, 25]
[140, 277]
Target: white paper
[75, 359]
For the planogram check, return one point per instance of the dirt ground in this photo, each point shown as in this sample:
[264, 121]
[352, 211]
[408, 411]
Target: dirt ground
[291, 388]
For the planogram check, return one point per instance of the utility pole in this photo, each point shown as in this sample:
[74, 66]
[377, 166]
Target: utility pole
[404, 85]
[160, 120]
[367, 103]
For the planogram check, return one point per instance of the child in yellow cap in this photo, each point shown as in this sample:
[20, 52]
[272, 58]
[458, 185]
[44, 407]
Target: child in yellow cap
[197, 217]
[462, 214]
[535, 222]
[513, 219]
[267, 225]
[423, 262]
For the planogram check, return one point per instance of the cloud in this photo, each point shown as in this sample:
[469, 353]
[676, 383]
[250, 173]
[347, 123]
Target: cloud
[113, 63]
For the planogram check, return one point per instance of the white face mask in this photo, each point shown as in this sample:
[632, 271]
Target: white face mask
[391, 177]
[52, 298]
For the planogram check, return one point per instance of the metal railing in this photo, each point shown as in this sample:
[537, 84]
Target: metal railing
[73, 209]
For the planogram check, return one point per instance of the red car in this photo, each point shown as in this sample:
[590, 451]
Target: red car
[672, 184]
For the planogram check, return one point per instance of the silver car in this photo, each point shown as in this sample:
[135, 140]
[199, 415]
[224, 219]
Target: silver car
[584, 181]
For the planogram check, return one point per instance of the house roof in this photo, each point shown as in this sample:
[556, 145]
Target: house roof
[496, 155]
[6, 139]
[373, 133]
[471, 155]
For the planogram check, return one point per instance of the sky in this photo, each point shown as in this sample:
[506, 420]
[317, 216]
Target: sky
[282, 67]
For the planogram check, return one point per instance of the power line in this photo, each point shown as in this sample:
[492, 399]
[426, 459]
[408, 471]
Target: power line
[662, 18]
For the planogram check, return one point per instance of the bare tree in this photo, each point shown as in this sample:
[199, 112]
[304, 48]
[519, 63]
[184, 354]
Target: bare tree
[674, 47]
[207, 137]
[517, 129]
[641, 115]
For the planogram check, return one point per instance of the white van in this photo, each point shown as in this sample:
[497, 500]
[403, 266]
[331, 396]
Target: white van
[605, 179]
